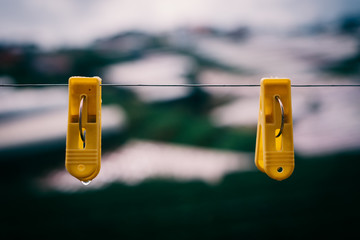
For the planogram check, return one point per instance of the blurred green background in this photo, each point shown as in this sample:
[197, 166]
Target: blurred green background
[178, 162]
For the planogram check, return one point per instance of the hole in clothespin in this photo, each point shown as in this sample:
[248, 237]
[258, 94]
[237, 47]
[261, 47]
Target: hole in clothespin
[280, 169]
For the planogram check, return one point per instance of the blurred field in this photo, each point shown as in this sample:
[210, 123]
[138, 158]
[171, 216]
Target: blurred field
[178, 162]
[320, 199]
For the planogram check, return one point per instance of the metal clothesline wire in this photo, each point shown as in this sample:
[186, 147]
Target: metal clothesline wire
[179, 85]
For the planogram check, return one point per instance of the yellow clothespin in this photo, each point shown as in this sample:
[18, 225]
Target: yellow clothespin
[83, 140]
[274, 152]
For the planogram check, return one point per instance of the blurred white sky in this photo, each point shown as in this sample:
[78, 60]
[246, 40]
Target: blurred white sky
[69, 22]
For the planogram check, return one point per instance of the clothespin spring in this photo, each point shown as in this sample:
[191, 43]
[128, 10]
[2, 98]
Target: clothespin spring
[82, 134]
[282, 116]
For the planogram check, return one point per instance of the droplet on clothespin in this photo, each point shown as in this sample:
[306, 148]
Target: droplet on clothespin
[85, 183]
[274, 152]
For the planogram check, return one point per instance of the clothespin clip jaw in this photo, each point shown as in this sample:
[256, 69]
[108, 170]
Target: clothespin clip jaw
[274, 153]
[83, 140]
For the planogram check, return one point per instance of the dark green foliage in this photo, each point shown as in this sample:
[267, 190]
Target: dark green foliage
[319, 200]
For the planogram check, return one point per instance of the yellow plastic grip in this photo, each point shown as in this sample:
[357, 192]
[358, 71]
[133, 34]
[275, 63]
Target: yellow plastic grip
[83, 158]
[275, 155]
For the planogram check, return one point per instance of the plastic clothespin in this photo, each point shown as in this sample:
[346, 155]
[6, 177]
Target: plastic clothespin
[274, 152]
[83, 140]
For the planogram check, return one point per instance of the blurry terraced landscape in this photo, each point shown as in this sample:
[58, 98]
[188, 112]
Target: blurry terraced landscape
[320, 199]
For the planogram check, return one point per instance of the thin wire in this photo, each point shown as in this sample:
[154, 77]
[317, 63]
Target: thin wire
[33, 85]
[178, 85]
[325, 85]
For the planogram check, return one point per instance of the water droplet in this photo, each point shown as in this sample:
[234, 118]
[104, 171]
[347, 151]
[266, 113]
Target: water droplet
[86, 183]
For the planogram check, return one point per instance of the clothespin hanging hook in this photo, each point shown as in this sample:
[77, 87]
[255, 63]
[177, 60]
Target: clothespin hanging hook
[282, 116]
